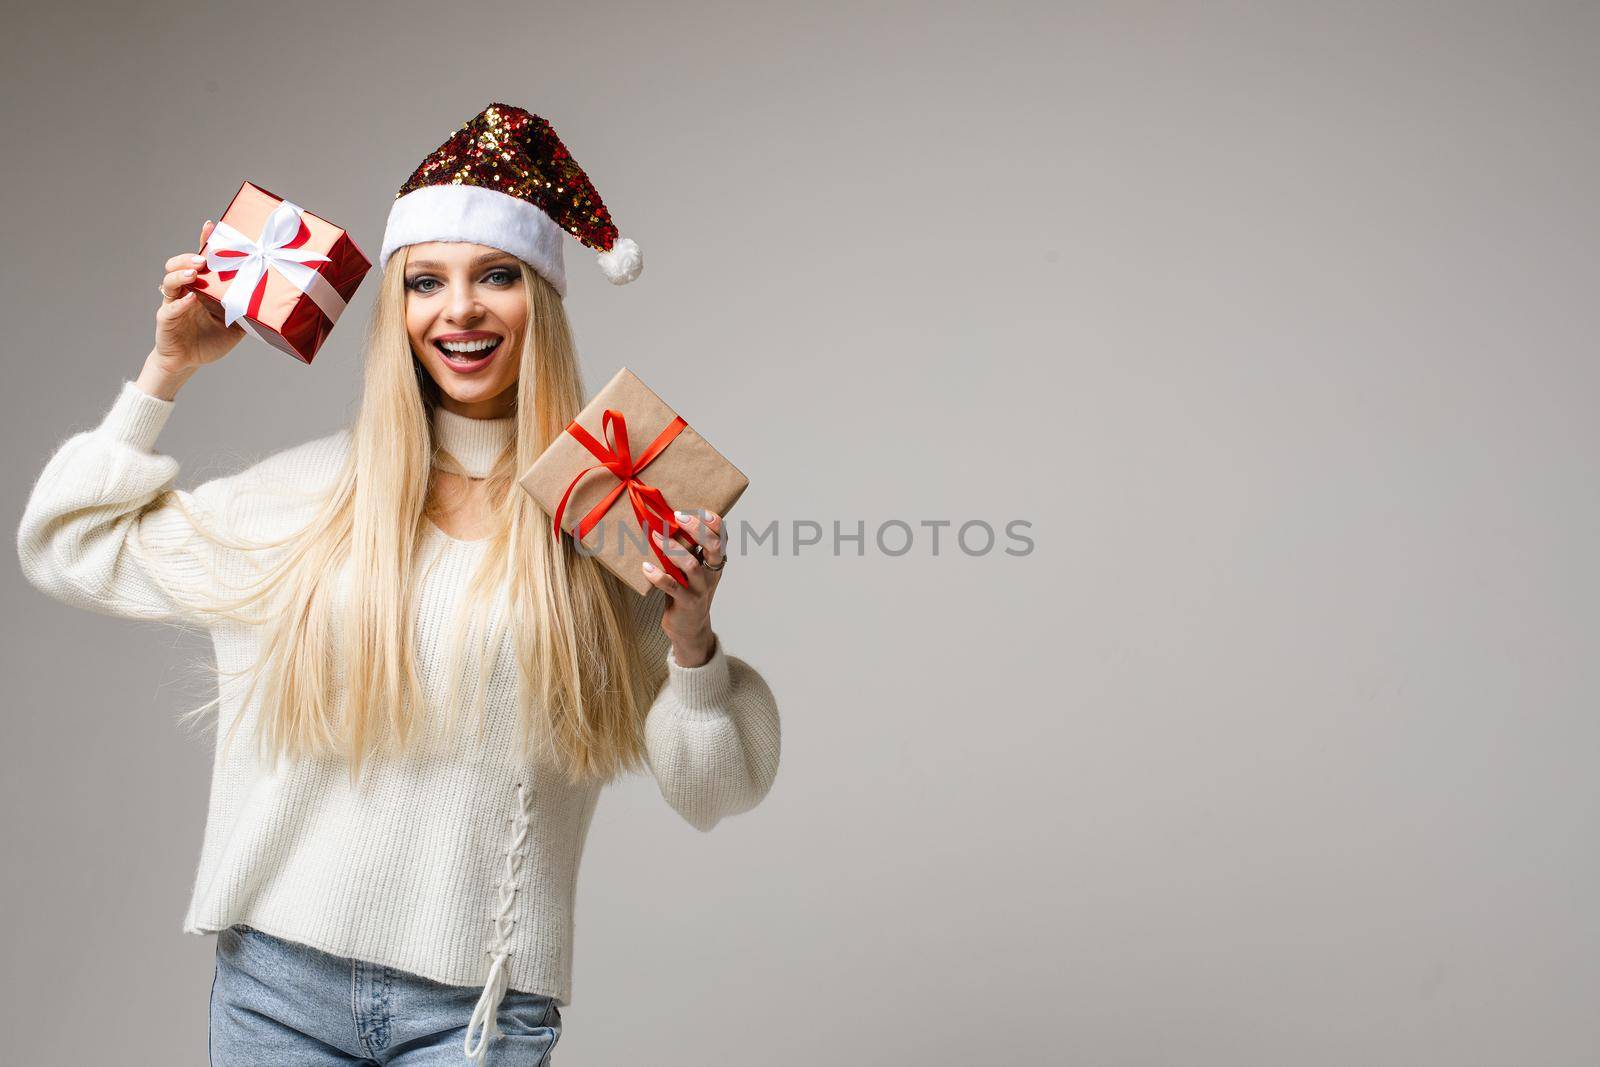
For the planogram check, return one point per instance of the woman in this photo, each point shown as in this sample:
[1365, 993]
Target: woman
[379, 854]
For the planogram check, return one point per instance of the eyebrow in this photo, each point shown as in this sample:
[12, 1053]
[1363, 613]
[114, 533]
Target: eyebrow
[428, 264]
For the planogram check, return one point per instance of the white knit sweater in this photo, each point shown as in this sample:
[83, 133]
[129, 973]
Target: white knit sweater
[413, 867]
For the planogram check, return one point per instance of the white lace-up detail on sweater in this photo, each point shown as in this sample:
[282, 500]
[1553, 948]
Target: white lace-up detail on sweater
[494, 991]
[393, 870]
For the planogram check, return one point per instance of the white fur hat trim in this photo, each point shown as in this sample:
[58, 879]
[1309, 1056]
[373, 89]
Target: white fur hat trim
[482, 216]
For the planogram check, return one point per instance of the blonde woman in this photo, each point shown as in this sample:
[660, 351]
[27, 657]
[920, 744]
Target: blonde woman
[436, 687]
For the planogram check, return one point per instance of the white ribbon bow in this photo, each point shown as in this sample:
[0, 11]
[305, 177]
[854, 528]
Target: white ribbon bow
[266, 251]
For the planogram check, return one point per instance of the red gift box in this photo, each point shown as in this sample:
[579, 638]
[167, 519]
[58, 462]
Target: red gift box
[281, 272]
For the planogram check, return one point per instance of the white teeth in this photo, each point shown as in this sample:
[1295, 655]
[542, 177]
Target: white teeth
[469, 346]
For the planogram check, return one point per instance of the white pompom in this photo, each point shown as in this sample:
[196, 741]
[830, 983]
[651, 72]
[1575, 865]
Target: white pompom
[623, 263]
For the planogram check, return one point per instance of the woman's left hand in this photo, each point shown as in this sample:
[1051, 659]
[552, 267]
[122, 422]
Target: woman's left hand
[687, 620]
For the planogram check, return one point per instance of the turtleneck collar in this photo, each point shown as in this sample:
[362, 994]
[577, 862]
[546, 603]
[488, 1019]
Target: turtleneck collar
[474, 443]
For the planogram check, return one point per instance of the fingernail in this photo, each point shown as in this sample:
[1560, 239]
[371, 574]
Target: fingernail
[651, 567]
[188, 274]
[197, 259]
[683, 516]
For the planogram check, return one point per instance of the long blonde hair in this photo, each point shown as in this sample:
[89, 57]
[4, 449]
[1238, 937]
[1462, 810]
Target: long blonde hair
[585, 687]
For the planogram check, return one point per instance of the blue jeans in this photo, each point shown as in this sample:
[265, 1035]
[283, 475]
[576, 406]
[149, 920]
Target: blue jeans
[279, 1002]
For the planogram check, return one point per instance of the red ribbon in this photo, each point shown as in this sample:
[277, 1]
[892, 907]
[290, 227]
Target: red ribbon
[649, 506]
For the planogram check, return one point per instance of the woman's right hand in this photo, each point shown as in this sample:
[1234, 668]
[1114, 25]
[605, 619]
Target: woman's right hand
[189, 330]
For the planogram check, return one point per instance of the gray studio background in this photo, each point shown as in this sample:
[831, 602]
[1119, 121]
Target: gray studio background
[1275, 321]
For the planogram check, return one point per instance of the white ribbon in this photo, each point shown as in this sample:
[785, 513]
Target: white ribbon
[268, 250]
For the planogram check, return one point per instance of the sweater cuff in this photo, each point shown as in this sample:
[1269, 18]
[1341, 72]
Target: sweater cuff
[704, 689]
[137, 417]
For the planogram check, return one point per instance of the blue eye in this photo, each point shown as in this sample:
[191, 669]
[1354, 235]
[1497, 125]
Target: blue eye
[427, 283]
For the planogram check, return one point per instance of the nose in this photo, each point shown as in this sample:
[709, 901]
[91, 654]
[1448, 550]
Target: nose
[463, 306]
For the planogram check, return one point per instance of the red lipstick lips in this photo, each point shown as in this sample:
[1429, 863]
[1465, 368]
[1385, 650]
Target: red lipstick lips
[468, 362]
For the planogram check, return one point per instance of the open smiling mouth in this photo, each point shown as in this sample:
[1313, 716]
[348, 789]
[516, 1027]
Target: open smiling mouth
[470, 353]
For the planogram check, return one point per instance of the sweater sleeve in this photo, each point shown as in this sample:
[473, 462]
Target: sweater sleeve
[91, 533]
[712, 733]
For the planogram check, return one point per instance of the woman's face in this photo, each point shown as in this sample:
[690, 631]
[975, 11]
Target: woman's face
[466, 309]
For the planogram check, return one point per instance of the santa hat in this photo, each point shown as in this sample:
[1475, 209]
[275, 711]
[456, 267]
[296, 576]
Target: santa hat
[505, 180]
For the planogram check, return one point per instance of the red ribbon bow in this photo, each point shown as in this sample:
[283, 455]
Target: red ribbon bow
[649, 506]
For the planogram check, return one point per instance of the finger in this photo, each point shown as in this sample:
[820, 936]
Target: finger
[712, 537]
[696, 528]
[172, 285]
[681, 543]
[661, 579]
[682, 555]
[714, 523]
[712, 542]
[698, 578]
[185, 259]
[173, 308]
[205, 232]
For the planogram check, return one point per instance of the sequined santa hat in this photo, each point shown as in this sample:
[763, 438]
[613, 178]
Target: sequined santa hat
[505, 180]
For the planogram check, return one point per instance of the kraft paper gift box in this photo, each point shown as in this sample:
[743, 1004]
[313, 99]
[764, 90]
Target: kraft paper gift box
[611, 475]
[281, 272]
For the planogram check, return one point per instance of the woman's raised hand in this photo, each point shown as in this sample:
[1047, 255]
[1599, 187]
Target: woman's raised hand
[687, 618]
[189, 330]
